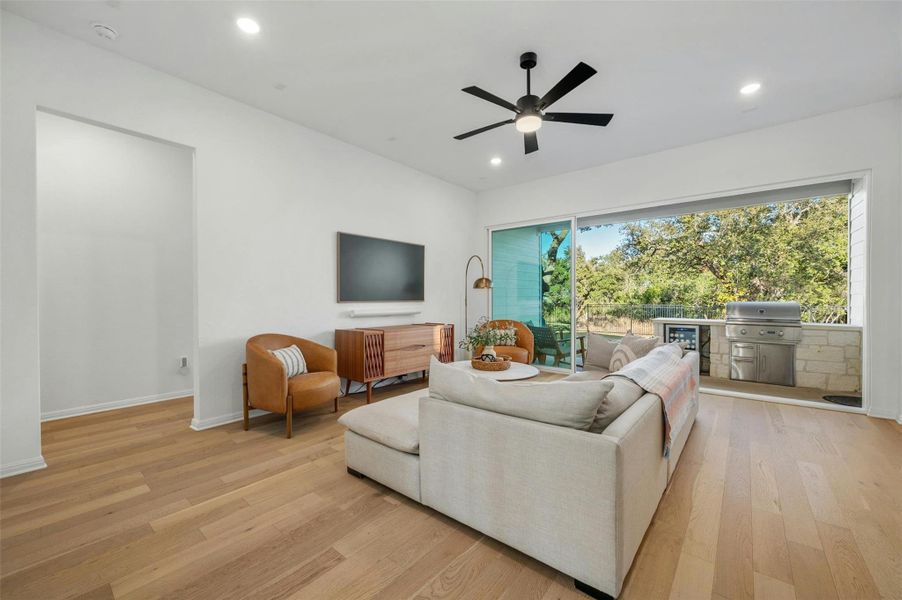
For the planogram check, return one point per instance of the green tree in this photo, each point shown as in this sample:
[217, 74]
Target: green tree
[782, 251]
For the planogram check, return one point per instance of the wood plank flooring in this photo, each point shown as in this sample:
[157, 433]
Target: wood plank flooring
[769, 502]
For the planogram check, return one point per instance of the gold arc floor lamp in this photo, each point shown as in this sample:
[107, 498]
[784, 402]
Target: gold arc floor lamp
[483, 283]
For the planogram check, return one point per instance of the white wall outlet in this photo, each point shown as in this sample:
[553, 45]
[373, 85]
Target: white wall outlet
[183, 362]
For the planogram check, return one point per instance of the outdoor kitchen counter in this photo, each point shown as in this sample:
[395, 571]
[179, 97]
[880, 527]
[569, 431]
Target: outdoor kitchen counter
[827, 358]
[828, 326]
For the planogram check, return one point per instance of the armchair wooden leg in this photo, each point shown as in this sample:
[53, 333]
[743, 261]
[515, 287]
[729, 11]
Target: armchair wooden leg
[247, 420]
[289, 408]
[336, 405]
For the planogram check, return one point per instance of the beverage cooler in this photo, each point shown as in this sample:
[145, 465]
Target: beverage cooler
[694, 337]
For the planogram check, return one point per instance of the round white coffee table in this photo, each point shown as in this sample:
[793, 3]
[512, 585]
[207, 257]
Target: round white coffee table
[515, 372]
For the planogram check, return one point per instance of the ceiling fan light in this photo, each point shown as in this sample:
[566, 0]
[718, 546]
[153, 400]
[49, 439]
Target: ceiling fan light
[528, 123]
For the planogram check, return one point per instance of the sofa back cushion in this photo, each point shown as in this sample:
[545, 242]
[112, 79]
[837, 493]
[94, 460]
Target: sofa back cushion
[623, 394]
[599, 352]
[562, 403]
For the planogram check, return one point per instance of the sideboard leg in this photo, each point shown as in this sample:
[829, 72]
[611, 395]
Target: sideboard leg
[347, 386]
[369, 392]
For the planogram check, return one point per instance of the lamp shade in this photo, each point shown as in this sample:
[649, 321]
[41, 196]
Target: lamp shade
[482, 283]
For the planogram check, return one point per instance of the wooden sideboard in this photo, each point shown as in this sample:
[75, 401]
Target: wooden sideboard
[373, 353]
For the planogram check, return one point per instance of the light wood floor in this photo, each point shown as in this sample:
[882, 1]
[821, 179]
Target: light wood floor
[769, 501]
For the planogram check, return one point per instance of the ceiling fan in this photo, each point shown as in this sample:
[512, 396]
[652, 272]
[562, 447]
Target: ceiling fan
[530, 109]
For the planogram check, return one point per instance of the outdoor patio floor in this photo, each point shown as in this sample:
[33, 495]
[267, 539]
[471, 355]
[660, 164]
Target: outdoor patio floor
[714, 385]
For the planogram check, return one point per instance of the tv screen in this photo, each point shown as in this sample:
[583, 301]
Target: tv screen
[377, 270]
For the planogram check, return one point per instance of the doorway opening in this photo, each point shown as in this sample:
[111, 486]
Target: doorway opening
[116, 271]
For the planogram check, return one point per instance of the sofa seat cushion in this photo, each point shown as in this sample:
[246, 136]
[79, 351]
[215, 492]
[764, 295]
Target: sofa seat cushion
[516, 353]
[393, 422]
[590, 374]
[311, 389]
[571, 404]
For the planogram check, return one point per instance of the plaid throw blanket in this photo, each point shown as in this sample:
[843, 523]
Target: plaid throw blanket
[663, 372]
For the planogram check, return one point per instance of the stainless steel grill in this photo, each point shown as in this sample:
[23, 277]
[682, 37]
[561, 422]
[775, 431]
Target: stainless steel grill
[763, 337]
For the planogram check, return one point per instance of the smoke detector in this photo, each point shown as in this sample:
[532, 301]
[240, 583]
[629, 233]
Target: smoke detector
[105, 31]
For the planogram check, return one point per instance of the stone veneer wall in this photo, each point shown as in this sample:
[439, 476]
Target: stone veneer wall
[828, 358]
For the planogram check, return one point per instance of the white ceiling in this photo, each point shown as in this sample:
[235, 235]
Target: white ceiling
[386, 76]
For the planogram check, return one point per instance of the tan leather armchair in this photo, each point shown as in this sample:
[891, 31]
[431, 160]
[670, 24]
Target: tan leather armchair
[266, 387]
[524, 351]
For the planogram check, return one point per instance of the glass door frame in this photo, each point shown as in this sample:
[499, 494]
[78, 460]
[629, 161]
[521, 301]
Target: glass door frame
[572, 220]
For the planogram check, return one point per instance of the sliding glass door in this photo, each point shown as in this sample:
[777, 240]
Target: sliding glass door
[532, 279]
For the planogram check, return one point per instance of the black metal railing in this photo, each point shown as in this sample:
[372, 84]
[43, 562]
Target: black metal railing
[618, 319]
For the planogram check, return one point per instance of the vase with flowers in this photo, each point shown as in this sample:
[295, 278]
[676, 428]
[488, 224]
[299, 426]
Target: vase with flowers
[483, 338]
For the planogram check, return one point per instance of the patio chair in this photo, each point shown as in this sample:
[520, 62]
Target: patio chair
[548, 344]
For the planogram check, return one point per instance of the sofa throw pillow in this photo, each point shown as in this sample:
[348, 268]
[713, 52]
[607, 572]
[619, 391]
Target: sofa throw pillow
[623, 394]
[630, 348]
[571, 404]
[599, 352]
[293, 360]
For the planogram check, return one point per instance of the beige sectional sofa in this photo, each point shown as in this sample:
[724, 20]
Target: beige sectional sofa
[575, 500]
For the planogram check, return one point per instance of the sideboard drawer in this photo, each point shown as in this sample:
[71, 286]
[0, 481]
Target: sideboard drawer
[408, 360]
[404, 337]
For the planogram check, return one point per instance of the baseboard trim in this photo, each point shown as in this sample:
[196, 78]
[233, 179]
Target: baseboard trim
[201, 424]
[23, 466]
[780, 400]
[78, 411]
[880, 415]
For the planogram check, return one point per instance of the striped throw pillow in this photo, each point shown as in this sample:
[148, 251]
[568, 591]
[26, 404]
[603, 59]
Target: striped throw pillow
[293, 360]
[629, 349]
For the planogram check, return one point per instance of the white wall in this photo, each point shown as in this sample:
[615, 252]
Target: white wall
[270, 196]
[115, 267]
[864, 138]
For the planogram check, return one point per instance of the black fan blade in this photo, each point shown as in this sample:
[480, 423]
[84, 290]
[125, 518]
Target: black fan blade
[480, 93]
[600, 119]
[464, 136]
[571, 80]
[531, 142]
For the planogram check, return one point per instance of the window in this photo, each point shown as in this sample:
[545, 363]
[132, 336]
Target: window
[686, 260]
[531, 283]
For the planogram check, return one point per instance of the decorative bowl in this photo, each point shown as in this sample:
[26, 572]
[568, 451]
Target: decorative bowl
[503, 363]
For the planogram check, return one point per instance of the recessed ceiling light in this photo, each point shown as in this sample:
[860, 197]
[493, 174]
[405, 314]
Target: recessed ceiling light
[496, 160]
[248, 25]
[750, 88]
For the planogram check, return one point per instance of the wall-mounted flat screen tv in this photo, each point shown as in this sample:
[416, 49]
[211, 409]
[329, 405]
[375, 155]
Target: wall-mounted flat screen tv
[376, 270]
